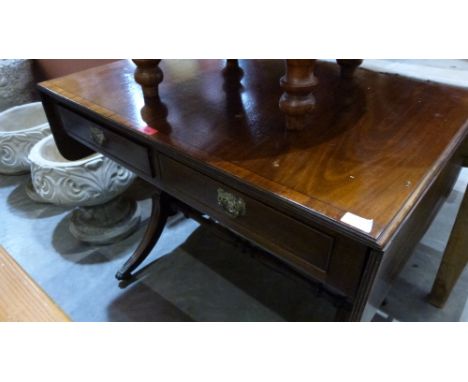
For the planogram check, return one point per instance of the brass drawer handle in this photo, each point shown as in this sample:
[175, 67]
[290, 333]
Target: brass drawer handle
[97, 136]
[233, 205]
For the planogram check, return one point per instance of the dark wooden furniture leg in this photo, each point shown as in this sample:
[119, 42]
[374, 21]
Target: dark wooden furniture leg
[297, 100]
[348, 67]
[232, 64]
[149, 75]
[159, 213]
[232, 74]
[454, 260]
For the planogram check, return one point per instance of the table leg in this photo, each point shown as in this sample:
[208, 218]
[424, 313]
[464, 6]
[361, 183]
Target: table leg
[232, 74]
[454, 260]
[149, 75]
[159, 213]
[232, 65]
[348, 67]
[154, 112]
[297, 101]
[232, 87]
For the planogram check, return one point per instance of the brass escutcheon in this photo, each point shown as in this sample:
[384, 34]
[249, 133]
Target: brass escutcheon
[233, 205]
[97, 135]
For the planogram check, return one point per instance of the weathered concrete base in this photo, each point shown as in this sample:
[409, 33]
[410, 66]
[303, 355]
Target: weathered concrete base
[105, 223]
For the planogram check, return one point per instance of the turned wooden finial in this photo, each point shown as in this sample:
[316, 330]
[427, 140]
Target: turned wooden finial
[297, 101]
[154, 113]
[232, 64]
[348, 67]
[149, 75]
[232, 74]
[233, 88]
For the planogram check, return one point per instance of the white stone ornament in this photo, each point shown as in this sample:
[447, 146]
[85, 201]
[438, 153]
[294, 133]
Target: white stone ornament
[87, 182]
[21, 127]
[93, 185]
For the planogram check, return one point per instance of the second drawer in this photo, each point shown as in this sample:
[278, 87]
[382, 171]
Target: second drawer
[278, 233]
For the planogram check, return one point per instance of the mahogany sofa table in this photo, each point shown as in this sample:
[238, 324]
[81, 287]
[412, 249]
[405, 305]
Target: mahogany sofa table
[342, 202]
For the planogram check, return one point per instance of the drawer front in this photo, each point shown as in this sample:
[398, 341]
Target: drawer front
[280, 234]
[122, 149]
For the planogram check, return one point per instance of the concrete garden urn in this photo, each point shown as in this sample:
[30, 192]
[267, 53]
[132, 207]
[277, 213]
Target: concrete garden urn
[21, 127]
[92, 185]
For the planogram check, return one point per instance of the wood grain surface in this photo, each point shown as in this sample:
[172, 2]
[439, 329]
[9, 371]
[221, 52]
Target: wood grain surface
[373, 146]
[21, 299]
[368, 171]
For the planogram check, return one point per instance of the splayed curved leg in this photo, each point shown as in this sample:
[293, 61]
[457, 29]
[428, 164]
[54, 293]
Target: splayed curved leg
[159, 213]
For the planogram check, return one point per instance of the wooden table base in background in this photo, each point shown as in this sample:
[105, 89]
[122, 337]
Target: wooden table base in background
[454, 260]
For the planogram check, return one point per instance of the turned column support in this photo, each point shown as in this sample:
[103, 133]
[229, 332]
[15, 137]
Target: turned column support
[232, 74]
[297, 101]
[348, 67]
[149, 75]
[232, 87]
[232, 64]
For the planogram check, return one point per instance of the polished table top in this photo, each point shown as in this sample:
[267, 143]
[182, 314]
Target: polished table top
[374, 145]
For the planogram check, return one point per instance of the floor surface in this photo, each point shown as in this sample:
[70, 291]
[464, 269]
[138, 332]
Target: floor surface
[194, 274]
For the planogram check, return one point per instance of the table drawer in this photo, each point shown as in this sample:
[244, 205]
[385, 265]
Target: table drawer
[122, 149]
[278, 233]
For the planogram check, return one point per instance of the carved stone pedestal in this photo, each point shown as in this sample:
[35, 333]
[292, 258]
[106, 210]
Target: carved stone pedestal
[105, 223]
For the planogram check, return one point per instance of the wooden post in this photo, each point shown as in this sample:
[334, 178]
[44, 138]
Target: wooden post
[348, 67]
[232, 74]
[297, 100]
[149, 75]
[232, 65]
